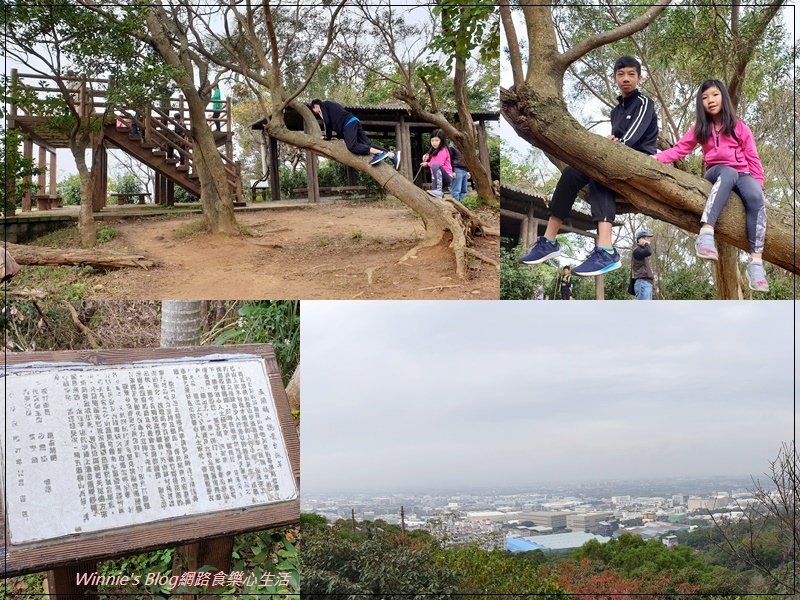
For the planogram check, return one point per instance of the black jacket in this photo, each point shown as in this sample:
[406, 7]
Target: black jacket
[334, 117]
[456, 158]
[640, 263]
[634, 122]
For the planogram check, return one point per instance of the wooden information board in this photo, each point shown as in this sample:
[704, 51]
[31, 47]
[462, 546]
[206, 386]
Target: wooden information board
[111, 452]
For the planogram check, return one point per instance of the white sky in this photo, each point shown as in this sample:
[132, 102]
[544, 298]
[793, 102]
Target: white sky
[407, 396]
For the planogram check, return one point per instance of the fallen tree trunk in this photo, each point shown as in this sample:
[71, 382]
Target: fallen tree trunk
[35, 255]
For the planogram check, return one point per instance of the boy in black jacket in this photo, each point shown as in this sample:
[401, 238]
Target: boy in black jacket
[336, 118]
[634, 123]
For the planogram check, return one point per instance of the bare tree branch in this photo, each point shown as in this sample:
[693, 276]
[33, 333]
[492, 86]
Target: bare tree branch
[513, 42]
[607, 37]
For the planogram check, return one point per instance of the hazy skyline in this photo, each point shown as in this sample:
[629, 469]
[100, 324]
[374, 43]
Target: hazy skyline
[441, 395]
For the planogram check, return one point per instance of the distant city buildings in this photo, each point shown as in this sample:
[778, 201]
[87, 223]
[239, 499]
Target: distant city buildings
[550, 521]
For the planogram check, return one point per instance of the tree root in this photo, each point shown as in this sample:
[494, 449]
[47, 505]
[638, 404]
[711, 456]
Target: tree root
[480, 256]
[90, 336]
[477, 226]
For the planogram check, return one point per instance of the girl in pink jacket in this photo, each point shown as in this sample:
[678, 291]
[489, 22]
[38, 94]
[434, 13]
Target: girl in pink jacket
[732, 163]
[438, 158]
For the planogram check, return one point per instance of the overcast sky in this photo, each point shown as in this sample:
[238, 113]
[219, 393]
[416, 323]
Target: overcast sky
[406, 396]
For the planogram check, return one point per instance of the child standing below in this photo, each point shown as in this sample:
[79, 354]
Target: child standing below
[732, 163]
[438, 158]
[458, 190]
[634, 123]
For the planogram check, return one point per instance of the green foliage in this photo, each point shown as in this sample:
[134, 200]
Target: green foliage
[471, 202]
[15, 168]
[467, 25]
[70, 190]
[275, 322]
[517, 282]
[189, 228]
[182, 196]
[105, 234]
[685, 283]
[377, 561]
[291, 180]
[480, 572]
[633, 557]
[127, 184]
[332, 174]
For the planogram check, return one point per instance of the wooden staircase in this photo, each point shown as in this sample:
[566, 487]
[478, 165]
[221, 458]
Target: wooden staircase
[146, 133]
[154, 156]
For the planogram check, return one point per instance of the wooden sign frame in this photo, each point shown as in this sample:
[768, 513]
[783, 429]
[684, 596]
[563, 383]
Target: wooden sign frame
[82, 547]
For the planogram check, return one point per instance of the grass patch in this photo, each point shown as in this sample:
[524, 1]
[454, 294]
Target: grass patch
[471, 202]
[105, 234]
[189, 229]
[60, 283]
[66, 237]
[356, 235]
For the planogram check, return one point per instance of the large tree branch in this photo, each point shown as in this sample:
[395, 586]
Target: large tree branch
[513, 42]
[756, 36]
[544, 123]
[607, 37]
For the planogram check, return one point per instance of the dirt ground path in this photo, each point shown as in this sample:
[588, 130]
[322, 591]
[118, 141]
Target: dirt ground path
[333, 251]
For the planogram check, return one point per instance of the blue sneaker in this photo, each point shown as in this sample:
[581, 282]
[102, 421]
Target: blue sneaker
[542, 251]
[599, 262]
[396, 159]
[376, 158]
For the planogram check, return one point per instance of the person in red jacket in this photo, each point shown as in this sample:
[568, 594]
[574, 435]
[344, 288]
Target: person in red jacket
[732, 163]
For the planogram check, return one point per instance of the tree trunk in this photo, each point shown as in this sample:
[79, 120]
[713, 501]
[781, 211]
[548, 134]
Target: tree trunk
[86, 224]
[215, 195]
[726, 273]
[654, 189]
[181, 323]
[34, 255]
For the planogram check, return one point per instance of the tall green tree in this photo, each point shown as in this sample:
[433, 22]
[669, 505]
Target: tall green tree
[18, 170]
[54, 38]
[460, 47]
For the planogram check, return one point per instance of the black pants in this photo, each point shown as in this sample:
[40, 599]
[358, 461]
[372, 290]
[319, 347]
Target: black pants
[573, 181]
[357, 141]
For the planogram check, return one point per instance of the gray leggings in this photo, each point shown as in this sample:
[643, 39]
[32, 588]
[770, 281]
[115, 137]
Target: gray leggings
[726, 179]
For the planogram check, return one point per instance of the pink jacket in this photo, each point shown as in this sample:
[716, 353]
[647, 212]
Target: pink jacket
[721, 149]
[442, 158]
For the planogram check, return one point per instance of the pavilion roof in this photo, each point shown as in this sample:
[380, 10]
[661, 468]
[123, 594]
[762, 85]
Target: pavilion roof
[380, 118]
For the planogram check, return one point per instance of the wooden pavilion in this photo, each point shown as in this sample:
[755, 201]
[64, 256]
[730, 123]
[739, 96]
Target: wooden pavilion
[385, 125]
